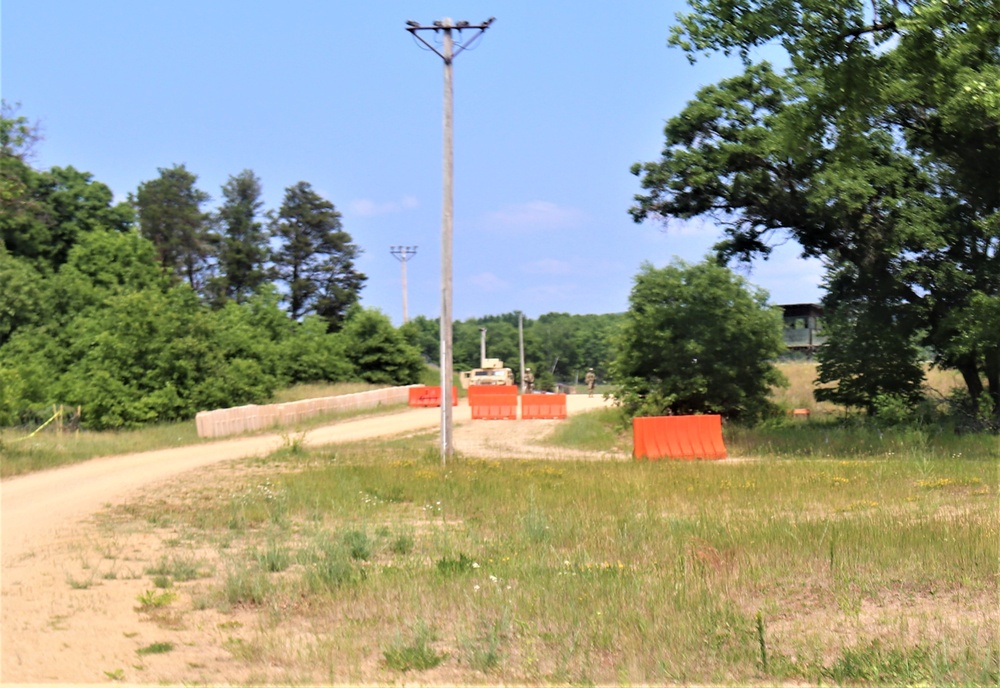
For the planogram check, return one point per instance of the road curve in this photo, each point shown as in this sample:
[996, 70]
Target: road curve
[33, 507]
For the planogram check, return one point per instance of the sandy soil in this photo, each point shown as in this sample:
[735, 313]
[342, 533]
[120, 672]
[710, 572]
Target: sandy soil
[61, 624]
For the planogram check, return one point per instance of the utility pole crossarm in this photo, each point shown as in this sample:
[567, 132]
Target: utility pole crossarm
[446, 25]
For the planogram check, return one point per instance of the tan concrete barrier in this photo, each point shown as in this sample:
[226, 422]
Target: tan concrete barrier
[240, 419]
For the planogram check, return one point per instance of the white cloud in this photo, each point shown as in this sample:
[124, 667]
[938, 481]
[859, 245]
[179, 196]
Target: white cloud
[365, 207]
[534, 215]
[547, 266]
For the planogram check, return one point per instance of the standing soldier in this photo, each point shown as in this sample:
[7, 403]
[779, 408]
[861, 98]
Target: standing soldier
[529, 381]
[590, 379]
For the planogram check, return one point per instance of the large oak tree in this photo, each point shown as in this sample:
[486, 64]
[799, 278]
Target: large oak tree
[877, 149]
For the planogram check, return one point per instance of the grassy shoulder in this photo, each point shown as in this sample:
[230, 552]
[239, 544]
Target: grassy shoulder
[21, 452]
[372, 563]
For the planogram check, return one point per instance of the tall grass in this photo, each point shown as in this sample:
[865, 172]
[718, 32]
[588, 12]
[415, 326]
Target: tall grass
[702, 572]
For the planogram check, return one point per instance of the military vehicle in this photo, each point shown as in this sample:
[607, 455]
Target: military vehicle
[490, 372]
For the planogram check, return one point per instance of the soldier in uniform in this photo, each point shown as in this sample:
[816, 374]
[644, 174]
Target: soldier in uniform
[529, 381]
[590, 379]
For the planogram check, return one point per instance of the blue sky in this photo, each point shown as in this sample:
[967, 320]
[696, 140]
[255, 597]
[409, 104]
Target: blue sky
[552, 107]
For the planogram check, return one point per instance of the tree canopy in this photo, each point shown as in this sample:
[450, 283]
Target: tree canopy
[877, 149]
[171, 216]
[315, 256]
[697, 339]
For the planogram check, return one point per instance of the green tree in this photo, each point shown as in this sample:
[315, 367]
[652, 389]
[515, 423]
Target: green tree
[23, 294]
[312, 354]
[697, 339]
[22, 227]
[152, 356]
[101, 264]
[379, 353]
[315, 256]
[242, 250]
[866, 357]
[877, 150]
[44, 213]
[424, 334]
[171, 216]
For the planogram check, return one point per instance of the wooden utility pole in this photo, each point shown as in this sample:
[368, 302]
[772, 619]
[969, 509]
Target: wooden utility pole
[447, 53]
[403, 254]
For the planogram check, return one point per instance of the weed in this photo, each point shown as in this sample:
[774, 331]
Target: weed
[246, 586]
[416, 653]
[181, 569]
[80, 583]
[402, 544]
[155, 649]
[151, 599]
[273, 558]
[162, 581]
[761, 642]
[484, 654]
[328, 567]
[239, 648]
[116, 675]
[358, 544]
[873, 663]
[293, 444]
[535, 523]
[450, 567]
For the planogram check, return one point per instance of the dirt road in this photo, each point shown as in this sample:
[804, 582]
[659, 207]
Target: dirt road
[43, 515]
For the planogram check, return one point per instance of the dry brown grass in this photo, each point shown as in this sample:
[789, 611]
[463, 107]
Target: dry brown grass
[802, 375]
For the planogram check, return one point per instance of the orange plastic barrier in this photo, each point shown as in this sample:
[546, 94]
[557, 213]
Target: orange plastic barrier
[543, 406]
[430, 396]
[678, 437]
[493, 402]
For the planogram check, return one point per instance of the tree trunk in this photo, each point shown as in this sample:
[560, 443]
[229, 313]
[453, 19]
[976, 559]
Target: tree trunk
[993, 383]
[970, 373]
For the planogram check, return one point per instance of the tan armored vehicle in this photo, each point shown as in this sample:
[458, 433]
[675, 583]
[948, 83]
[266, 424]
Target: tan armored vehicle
[491, 372]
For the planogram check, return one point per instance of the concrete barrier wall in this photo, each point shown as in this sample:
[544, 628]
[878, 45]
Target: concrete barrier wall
[678, 437]
[240, 419]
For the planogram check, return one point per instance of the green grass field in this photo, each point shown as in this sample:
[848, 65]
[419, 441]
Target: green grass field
[374, 563]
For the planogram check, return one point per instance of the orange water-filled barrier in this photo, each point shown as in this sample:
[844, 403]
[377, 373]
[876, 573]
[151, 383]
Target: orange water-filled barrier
[430, 396]
[543, 406]
[493, 402]
[678, 437]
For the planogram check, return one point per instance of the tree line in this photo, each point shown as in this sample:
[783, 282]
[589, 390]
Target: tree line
[153, 309]
[558, 347]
